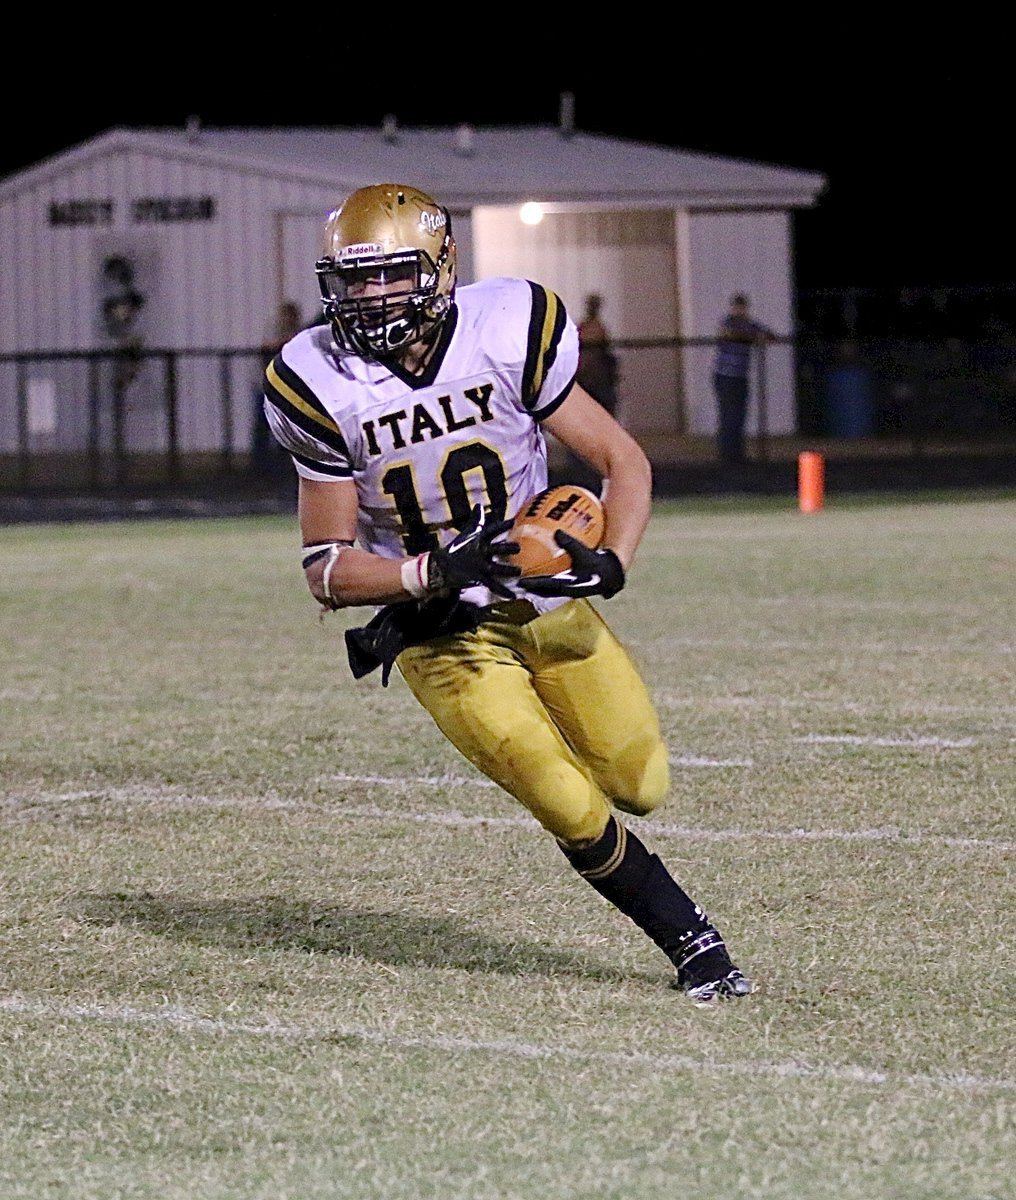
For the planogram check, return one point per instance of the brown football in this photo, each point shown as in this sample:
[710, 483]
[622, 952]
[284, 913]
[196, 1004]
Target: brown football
[574, 509]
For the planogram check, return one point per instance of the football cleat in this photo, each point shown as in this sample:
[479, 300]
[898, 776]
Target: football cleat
[707, 995]
[705, 973]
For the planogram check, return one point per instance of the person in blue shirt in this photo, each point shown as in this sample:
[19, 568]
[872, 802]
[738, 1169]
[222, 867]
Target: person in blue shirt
[738, 333]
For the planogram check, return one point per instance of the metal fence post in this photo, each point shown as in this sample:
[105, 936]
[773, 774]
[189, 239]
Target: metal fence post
[226, 408]
[172, 429]
[24, 446]
[762, 403]
[94, 418]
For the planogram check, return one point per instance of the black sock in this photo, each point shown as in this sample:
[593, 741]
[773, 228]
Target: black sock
[623, 871]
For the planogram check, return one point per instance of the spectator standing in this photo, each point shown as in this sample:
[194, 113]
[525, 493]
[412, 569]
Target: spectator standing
[738, 334]
[597, 372]
[269, 461]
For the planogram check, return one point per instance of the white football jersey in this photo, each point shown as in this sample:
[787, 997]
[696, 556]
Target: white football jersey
[424, 449]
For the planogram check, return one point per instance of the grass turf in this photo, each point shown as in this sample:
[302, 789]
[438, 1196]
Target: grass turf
[265, 934]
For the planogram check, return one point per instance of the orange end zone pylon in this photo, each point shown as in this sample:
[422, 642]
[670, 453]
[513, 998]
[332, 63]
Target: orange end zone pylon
[810, 481]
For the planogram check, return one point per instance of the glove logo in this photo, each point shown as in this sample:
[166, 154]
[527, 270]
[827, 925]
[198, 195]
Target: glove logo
[474, 558]
[592, 573]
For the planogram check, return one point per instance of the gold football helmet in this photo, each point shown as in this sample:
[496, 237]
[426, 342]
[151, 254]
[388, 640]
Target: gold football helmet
[387, 271]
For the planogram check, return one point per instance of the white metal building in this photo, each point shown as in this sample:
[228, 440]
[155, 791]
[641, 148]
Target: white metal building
[215, 227]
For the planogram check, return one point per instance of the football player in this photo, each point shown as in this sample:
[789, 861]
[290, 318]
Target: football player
[416, 417]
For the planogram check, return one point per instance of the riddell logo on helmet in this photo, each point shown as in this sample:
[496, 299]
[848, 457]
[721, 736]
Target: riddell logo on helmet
[432, 222]
[362, 250]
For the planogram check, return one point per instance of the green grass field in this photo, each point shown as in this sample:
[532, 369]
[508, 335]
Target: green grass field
[264, 935]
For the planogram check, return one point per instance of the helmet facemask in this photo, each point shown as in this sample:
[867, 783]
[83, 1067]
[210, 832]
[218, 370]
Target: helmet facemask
[381, 324]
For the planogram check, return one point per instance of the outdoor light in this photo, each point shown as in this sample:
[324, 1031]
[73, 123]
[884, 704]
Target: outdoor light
[531, 213]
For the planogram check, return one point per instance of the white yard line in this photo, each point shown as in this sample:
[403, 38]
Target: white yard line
[653, 828]
[672, 699]
[649, 826]
[421, 780]
[677, 760]
[177, 1018]
[685, 760]
[815, 644]
[907, 743]
[664, 696]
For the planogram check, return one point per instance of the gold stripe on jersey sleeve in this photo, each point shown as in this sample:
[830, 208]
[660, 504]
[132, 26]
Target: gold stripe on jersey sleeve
[286, 392]
[546, 324]
[290, 394]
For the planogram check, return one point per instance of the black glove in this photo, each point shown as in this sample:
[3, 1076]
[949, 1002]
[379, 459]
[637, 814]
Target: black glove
[472, 558]
[592, 572]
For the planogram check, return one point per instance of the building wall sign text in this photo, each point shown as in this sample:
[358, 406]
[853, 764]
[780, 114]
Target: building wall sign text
[147, 210]
[81, 212]
[173, 208]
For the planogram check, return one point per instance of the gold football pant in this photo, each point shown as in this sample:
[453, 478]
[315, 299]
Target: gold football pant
[552, 709]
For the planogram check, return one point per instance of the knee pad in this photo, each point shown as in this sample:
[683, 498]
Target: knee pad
[575, 822]
[642, 777]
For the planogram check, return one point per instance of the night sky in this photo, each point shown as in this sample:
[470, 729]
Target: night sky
[911, 134]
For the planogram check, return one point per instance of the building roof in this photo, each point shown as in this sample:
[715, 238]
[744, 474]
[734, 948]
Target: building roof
[465, 166]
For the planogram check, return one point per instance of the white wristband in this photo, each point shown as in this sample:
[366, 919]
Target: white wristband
[414, 576]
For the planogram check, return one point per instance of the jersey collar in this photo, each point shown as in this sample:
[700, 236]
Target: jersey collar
[433, 364]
